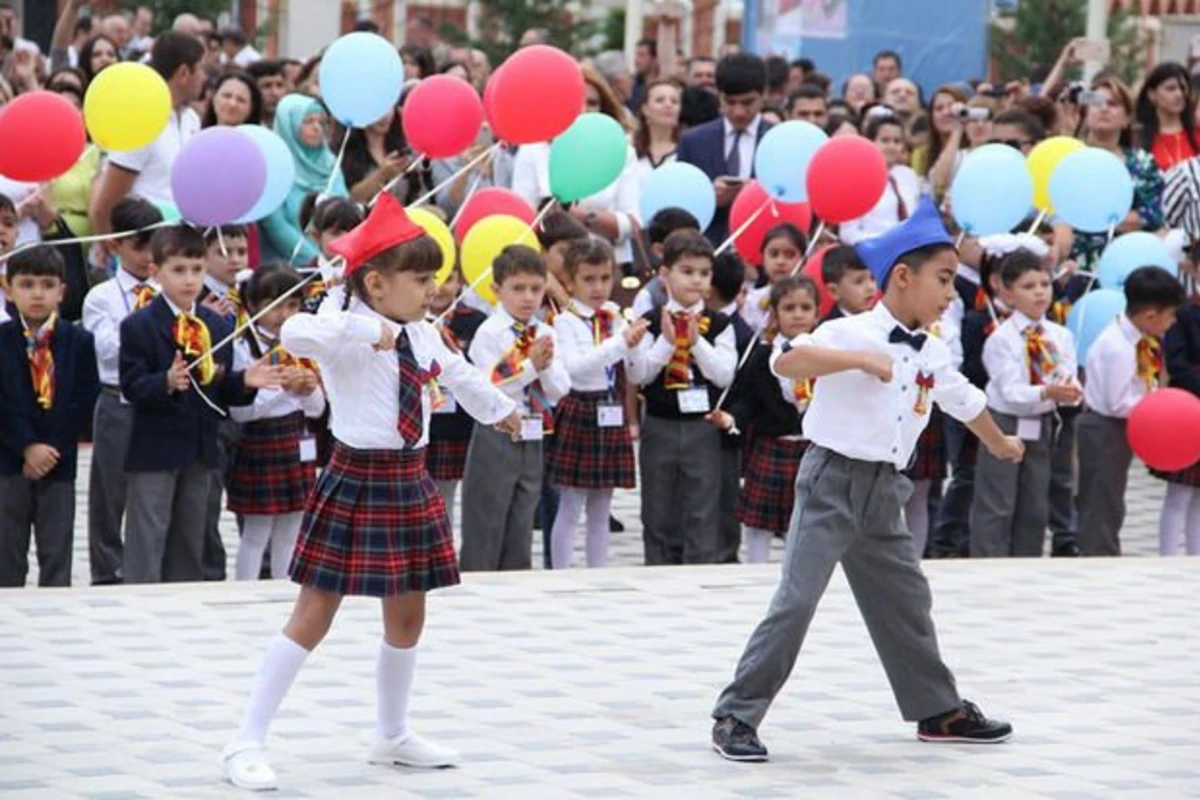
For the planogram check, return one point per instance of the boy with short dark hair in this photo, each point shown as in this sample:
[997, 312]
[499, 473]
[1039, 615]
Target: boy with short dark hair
[849, 282]
[1124, 364]
[653, 295]
[8, 237]
[48, 387]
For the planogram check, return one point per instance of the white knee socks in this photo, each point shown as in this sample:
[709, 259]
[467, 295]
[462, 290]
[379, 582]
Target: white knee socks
[758, 544]
[279, 667]
[572, 502]
[1192, 531]
[280, 530]
[393, 684]
[916, 515]
[1173, 519]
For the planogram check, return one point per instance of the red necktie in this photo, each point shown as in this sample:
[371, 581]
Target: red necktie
[901, 206]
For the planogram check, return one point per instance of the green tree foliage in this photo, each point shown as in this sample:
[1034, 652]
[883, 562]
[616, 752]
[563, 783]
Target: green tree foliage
[502, 23]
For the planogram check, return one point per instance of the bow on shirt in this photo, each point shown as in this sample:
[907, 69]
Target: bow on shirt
[192, 337]
[278, 356]
[509, 367]
[802, 392]
[1040, 354]
[429, 377]
[143, 293]
[914, 340]
[241, 318]
[1149, 361]
[678, 375]
[41, 362]
[602, 325]
[925, 384]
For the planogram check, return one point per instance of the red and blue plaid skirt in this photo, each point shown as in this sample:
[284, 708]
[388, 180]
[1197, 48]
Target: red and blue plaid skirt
[375, 525]
[929, 461]
[583, 455]
[446, 459]
[1184, 477]
[267, 477]
[769, 488]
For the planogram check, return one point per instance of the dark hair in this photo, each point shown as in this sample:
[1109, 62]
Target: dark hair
[785, 286]
[421, 255]
[728, 276]
[806, 64]
[559, 226]
[6, 204]
[838, 261]
[668, 220]
[821, 81]
[699, 106]
[1147, 114]
[641, 135]
[936, 142]
[1042, 109]
[265, 68]
[917, 258]
[130, 214]
[42, 260]
[1022, 119]
[786, 230]
[173, 50]
[267, 283]
[357, 162]
[82, 25]
[177, 241]
[65, 87]
[426, 66]
[1150, 289]
[367, 26]
[838, 119]
[1015, 264]
[807, 91]
[777, 72]
[234, 35]
[449, 65]
[517, 259]
[681, 244]
[649, 44]
[587, 251]
[216, 234]
[892, 54]
[876, 123]
[337, 214]
[85, 55]
[741, 73]
[248, 80]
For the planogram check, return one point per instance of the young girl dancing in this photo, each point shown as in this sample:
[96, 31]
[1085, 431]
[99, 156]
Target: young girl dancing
[375, 524]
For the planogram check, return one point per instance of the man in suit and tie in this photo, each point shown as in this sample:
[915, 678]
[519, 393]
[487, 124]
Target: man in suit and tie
[724, 148]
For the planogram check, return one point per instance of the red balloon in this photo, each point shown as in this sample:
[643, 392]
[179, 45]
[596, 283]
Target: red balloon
[749, 200]
[846, 178]
[487, 202]
[813, 270]
[41, 137]
[539, 96]
[1164, 429]
[442, 116]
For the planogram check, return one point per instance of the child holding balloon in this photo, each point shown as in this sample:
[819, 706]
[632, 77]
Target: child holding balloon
[1181, 506]
[783, 247]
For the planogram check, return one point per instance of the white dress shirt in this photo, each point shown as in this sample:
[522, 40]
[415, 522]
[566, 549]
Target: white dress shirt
[757, 307]
[886, 213]
[493, 341]
[1009, 390]
[592, 367]
[717, 361]
[951, 330]
[1112, 385]
[272, 403]
[153, 162]
[104, 308]
[746, 145]
[786, 385]
[861, 417]
[363, 383]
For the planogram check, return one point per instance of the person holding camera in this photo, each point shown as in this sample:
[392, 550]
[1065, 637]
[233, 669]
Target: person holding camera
[959, 126]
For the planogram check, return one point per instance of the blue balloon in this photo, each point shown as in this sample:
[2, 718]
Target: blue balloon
[1091, 190]
[679, 185]
[281, 172]
[992, 190]
[361, 77]
[1091, 315]
[1130, 251]
[781, 161]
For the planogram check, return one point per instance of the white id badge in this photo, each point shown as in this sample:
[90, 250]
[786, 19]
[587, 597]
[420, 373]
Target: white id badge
[531, 429]
[693, 401]
[449, 404]
[610, 415]
[1029, 429]
[308, 450]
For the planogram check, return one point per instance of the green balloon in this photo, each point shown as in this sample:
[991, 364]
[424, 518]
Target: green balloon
[169, 211]
[587, 157]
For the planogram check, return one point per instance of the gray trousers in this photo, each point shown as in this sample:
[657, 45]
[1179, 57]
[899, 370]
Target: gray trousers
[48, 507]
[213, 560]
[1011, 507]
[729, 530]
[1062, 483]
[112, 425]
[847, 511]
[680, 462]
[500, 491]
[1104, 459]
[164, 525]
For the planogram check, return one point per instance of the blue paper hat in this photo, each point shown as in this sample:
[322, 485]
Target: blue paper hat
[922, 229]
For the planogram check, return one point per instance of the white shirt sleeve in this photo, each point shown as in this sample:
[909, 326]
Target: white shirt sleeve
[556, 382]
[718, 361]
[470, 386]
[1004, 360]
[98, 318]
[952, 392]
[580, 354]
[322, 336]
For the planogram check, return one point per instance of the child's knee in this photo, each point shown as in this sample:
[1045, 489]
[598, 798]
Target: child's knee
[403, 619]
[311, 617]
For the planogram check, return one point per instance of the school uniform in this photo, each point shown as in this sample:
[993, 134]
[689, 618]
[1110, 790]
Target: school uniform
[450, 429]
[54, 410]
[1011, 510]
[1181, 352]
[173, 447]
[1063, 516]
[375, 523]
[835, 313]
[1123, 366]
[680, 452]
[729, 532]
[104, 308]
[756, 309]
[503, 478]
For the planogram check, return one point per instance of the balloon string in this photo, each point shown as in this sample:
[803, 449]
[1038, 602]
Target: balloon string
[221, 243]
[725, 245]
[100, 237]
[958, 242]
[463, 205]
[337, 164]
[468, 166]
[387, 187]
[1037, 221]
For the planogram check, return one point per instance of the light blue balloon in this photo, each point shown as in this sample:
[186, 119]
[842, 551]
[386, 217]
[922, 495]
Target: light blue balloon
[781, 161]
[992, 190]
[1091, 315]
[281, 172]
[361, 77]
[1091, 190]
[1130, 251]
[679, 185]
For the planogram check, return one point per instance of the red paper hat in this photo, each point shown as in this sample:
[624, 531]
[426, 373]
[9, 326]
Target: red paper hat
[385, 227]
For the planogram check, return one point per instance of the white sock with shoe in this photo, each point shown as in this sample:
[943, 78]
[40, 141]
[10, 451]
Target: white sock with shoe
[394, 670]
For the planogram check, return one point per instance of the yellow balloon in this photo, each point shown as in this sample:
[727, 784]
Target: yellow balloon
[441, 234]
[1042, 160]
[126, 107]
[484, 242]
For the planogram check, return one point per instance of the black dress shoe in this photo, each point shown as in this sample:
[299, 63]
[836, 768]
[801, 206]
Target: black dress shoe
[1065, 549]
[737, 741]
[964, 724]
[615, 525]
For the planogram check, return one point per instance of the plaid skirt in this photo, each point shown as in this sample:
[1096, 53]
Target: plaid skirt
[266, 476]
[769, 488]
[583, 455]
[929, 460]
[1185, 477]
[375, 525]
[446, 459]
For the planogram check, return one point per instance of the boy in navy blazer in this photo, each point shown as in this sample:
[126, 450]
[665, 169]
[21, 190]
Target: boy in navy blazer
[179, 392]
[48, 386]
[724, 148]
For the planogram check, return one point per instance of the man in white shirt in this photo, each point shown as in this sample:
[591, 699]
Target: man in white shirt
[146, 172]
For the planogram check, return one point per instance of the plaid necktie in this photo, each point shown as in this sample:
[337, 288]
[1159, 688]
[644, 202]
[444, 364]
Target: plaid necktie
[1040, 354]
[1149, 361]
[901, 206]
[41, 362]
[410, 421]
[678, 372]
[143, 293]
[192, 336]
[510, 366]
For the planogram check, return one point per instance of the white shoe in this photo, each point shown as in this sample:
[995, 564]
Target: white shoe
[410, 751]
[246, 767]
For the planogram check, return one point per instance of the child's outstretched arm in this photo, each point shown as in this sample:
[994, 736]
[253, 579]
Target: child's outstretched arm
[471, 387]
[804, 361]
[325, 335]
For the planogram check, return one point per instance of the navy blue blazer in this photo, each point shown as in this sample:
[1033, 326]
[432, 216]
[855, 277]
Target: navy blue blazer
[1181, 349]
[172, 430]
[76, 386]
[704, 146]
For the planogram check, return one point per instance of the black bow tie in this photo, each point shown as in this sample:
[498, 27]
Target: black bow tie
[914, 340]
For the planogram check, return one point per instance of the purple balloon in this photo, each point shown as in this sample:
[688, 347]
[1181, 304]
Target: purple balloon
[218, 176]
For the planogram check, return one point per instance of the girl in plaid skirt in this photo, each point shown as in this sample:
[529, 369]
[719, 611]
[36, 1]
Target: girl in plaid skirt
[273, 465]
[374, 524]
[770, 410]
[591, 453]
